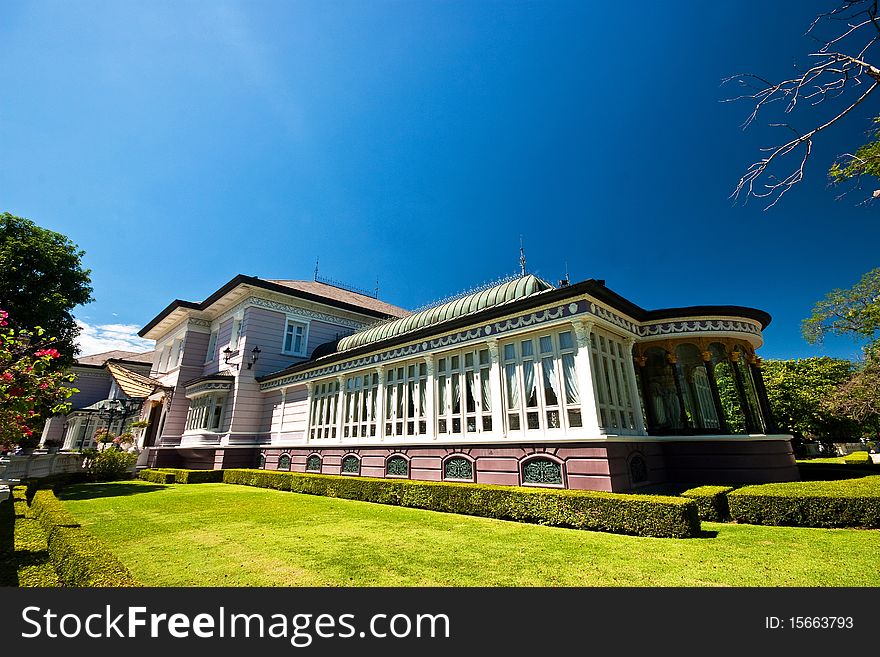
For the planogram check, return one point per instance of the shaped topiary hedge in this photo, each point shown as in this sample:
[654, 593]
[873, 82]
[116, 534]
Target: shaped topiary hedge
[640, 515]
[711, 502]
[844, 503]
[858, 458]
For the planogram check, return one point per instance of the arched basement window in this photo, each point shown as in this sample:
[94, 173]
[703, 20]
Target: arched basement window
[542, 471]
[284, 462]
[262, 461]
[351, 464]
[313, 464]
[638, 469]
[397, 467]
[458, 467]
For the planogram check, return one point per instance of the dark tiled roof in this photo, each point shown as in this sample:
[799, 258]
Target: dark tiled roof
[345, 296]
[100, 359]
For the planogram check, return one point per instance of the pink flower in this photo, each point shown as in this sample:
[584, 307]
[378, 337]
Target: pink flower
[51, 353]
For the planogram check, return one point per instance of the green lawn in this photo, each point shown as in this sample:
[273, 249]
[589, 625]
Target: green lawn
[226, 535]
[830, 459]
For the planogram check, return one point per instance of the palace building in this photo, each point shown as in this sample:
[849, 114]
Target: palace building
[520, 383]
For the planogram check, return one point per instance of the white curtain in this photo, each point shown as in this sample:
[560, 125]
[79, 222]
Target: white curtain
[486, 392]
[512, 387]
[549, 367]
[529, 373]
[456, 394]
[572, 394]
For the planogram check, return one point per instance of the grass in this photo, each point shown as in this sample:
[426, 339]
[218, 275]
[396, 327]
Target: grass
[830, 459]
[24, 555]
[224, 535]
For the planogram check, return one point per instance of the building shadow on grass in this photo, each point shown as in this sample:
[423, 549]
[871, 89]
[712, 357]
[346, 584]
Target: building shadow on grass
[707, 533]
[109, 489]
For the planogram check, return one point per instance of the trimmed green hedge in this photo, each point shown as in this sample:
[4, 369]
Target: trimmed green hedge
[79, 558]
[711, 502]
[181, 476]
[639, 515]
[858, 458]
[26, 561]
[845, 503]
[157, 476]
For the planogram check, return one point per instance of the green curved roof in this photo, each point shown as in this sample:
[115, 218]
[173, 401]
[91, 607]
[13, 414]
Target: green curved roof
[471, 303]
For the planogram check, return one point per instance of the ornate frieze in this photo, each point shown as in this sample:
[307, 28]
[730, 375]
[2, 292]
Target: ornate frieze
[700, 326]
[208, 386]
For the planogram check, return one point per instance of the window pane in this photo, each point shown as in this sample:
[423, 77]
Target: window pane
[546, 344]
[565, 341]
[512, 387]
[551, 398]
[469, 359]
[569, 374]
[526, 348]
[486, 391]
[484, 356]
[509, 352]
[530, 387]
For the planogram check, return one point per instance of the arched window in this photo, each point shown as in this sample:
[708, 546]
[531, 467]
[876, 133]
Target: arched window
[262, 461]
[397, 467]
[284, 462]
[542, 471]
[695, 389]
[458, 467]
[638, 469]
[313, 464]
[351, 464]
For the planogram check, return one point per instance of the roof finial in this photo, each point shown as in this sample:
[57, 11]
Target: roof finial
[522, 258]
[316, 267]
[377, 287]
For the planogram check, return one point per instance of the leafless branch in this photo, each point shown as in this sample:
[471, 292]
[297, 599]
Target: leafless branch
[832, 74]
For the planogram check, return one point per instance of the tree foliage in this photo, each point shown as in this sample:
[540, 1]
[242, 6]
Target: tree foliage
[31, 384]
[799, 390]
[854, 312]
[858, 398]
[41, 280]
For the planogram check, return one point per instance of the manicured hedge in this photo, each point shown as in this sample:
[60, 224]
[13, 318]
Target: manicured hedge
[845, 503]
[858, 458]
[182, 476]
[25, 562]
[640, 515]
[157, 476]
[711, 502]
[79, 558]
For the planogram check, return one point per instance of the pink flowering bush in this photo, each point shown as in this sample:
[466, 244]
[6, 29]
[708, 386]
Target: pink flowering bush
[32, 386]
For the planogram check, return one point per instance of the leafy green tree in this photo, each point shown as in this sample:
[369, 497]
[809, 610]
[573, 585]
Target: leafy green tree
[799, 390]
[858, 398]
[41, 280]
[854, 312]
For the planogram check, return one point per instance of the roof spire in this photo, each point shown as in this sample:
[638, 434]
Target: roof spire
[522, 258]
[316, 267]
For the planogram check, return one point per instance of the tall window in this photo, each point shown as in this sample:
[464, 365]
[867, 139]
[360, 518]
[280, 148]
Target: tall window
[540, 383]
[236, 333]
[464, 399]
[295, 338]
[611, 380]
[360, 406]
[206, 412]
[405, 404]
[212, 346]
[323, 411]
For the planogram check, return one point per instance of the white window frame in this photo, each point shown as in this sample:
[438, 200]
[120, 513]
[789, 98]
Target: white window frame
[235, 335]
[305, 337]
[212, 345]
[323, 399]
[614, 402]
[360, 405]
[405, 400]
[202, 411]
[552, 419]
[472, 366]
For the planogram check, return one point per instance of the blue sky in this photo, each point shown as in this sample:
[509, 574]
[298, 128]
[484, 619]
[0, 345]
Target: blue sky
[182, 143]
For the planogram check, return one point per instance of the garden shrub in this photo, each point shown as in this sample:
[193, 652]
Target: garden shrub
[711, 502]
[110, 465]
[844, 503]
[181, 476]
[78, 557]
[640, 515]
[858, 458]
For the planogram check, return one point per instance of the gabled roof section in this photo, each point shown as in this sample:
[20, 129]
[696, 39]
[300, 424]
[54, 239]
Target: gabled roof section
[131, 356]
[307, 290]
[134, 385]
[518, 288]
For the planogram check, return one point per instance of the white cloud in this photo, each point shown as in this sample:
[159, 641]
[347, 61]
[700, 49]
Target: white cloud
[108, 337]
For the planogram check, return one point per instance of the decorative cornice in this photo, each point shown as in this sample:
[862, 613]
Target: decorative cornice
[700, 326]
[301, 312]
[208, 386]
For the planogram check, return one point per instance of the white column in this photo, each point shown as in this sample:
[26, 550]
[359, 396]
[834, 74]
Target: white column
[340, 408]
[283, 408]
[584, 366]
[380, 405]
[634, 387]
[430, 415]
[310, 389]
[495, 377]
